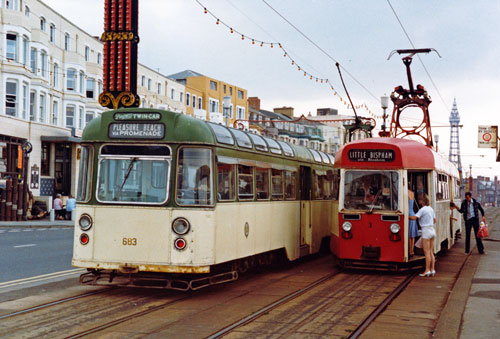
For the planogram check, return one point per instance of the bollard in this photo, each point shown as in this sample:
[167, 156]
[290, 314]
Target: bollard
[52, 215]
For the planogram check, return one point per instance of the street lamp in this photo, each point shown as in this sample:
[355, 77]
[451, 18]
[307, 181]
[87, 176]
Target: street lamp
[436, 138]
[384, 103]
[226, 105]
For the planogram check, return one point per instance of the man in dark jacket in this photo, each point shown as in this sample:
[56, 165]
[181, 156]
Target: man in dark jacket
[470, 209]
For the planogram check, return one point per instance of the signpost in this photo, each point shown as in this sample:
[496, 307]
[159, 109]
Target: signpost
[487, 136]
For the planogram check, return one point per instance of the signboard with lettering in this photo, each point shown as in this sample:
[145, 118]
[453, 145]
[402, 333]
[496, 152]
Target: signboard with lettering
[140, 116]
[136, 130]
[487, 136]
[372, 155]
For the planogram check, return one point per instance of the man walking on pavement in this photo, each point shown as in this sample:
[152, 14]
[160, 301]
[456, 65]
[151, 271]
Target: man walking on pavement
[470, 210]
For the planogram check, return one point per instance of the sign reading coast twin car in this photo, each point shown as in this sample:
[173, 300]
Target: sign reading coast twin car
[371, 155]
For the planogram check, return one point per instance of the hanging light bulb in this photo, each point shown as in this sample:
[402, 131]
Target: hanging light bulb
[305, 73]
[253, 42]
[205, 10]
[293, 62]
[232, 30]
[284, 54]
[279, 45]
[261, 44]
[242, 37]
[271, 45]
[311, 77]
[217, 21]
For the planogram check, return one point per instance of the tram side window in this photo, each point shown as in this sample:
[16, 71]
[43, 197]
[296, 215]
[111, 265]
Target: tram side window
[85, 175]
[290, 185]
[245, 182]
[442, 189]
[226, 174]
[262, 183]
[323, 185]
[194, 177]
[277, 184]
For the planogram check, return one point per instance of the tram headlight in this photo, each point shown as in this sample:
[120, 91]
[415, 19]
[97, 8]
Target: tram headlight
[85, 222]
[181, 226]
[346, 226]
[395, 228]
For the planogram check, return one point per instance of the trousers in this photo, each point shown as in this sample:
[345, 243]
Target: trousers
[472, 223]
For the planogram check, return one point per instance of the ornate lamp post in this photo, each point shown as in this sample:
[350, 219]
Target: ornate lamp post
[226, 105]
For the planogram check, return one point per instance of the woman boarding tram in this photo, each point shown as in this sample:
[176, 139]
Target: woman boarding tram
[168, 200]
[373, 226]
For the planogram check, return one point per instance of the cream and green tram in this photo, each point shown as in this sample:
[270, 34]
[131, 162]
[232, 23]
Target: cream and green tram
[169, 201]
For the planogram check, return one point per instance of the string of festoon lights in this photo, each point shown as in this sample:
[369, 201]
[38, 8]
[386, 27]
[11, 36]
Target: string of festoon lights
[287, 55]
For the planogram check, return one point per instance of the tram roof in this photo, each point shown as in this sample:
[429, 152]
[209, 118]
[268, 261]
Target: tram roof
[408, 154]
[179, 128]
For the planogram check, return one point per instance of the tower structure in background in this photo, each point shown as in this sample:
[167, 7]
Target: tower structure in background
[454, 156]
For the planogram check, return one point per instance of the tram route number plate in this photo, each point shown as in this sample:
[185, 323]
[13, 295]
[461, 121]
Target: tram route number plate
[372, 155]
[136, 130]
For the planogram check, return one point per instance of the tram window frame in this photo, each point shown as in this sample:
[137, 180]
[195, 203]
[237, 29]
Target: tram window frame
[242, 138]
[316, 155]
[324, 157]
[245, 174]
[290, 182]
[331, 157]
[259, 142]
[277, 174]
[323, 185]
[287, 149]
[195, 200]
[262, 183]
[274, 147]
[83, 193]
[226, 189]
[222, 134]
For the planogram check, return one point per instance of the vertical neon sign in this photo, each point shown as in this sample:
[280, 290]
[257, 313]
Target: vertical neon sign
[120, 38]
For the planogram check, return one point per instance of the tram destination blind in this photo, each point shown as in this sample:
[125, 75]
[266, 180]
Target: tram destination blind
[136, 130]
[371, 155]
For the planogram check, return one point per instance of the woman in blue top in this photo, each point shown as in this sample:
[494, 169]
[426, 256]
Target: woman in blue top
[412, 227]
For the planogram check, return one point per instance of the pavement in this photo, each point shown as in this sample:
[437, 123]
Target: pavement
[462, 301]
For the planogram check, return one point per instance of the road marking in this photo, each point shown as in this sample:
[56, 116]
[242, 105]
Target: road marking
[27, 245]
[42, 229]
[28, 230]
[42, 277]
[14, 231]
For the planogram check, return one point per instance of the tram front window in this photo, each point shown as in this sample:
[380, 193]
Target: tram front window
[133, 180]
[371, 190]
[194, 177]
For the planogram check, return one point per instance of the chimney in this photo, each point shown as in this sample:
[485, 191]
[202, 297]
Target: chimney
[288, 111]
[254, 102]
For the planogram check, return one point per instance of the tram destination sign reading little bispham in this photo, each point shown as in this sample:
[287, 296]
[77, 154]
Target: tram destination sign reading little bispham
[371, 155]
[136, 130]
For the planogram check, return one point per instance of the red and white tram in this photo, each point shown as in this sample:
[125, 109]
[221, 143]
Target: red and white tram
[376, 174]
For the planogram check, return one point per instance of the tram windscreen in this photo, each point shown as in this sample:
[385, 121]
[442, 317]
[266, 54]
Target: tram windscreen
[371, 190]
[133, 180]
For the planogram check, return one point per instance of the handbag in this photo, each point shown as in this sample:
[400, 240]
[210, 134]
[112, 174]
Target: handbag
[483, 230]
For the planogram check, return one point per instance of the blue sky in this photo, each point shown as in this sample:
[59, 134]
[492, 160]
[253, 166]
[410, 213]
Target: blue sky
[177, 35]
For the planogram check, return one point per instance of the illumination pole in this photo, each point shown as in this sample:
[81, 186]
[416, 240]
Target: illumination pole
[226, 105]
[384, 103]
[436, 139]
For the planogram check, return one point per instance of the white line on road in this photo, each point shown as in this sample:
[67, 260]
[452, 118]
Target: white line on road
[14, 231]
[27, 245]
[42, 277]
[28, 230]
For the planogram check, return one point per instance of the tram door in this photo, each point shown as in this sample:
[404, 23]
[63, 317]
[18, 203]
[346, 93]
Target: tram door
[305, 207]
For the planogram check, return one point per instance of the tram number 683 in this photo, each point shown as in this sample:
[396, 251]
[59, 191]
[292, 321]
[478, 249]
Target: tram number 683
[129, 241]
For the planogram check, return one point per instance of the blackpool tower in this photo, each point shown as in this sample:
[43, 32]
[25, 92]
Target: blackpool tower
[454, 138]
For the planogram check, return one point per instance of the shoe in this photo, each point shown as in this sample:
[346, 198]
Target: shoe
[483, 252]
[426, 274]
[433, 273]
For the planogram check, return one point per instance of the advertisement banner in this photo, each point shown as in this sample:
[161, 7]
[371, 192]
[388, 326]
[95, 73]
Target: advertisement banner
[487, 136]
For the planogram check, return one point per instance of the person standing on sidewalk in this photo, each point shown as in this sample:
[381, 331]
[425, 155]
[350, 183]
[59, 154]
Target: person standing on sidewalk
[470, 209]
[427, 220]
[70, 206]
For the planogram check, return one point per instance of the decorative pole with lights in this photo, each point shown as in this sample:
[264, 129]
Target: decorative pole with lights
[226, 105]
[120, 38]
[384, 103]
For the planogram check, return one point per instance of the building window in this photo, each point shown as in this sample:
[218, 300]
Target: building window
[33, 60]
[25, 50]
[213, 105]
[11, 46]
[194, 101]
[32, 106]
[224, 88]
[89, 115]
[99, 87]
[187, 99]
[143, 81]
[45, 161]
[99, 58]
[43, 24]
[27, 11]
[66, 41]
[159, 88]
[87, 53]
[11, 4]
[70, 116]
[42, 108]
[150, 82]
[90, 88]
[82, 81]
[11, 98]
[43, 55]
[241, 94]
[240, 113]
[55, 112]
[172, 93]
[80, 117]
[230, 91]
[55, 76]
[70, 79]
[181, 96]
[25, 101]
[213, 85]
[199, 103]
[52, 33]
